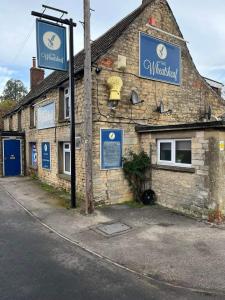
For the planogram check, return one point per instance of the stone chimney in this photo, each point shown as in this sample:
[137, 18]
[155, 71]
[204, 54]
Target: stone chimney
[36, 74]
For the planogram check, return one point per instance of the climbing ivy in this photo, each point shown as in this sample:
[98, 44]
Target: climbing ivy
[135, 167]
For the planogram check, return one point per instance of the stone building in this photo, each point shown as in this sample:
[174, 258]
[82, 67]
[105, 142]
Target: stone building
[173, 114]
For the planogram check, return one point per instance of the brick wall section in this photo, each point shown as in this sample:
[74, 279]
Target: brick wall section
[53, 135]
[187, 103]
[216, 162]
[6, 124]
[190, 192]
[176, 189]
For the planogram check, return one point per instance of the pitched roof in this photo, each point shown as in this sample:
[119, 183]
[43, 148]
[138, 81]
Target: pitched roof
[98, 47]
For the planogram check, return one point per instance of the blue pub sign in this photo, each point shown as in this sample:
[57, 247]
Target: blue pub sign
[46, 156]
[51, 46]
[159, 60]
[111, 148]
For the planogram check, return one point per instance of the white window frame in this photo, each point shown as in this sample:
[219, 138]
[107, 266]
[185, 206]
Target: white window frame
[66, 95]
[172, 162]
[65, 150]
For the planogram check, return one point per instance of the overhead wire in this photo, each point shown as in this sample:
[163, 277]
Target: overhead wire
[24, 42]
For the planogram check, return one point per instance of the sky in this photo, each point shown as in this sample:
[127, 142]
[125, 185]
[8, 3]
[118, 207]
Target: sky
[202, 23]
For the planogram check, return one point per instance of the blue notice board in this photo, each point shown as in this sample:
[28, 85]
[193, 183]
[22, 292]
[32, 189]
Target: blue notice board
[34, 155]
[46, 156]
[159, 60]
[111, 148]
[51, 46]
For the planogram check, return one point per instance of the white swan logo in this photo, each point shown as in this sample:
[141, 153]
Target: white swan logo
[45, 148]
[112, 136]
[161, 51]
[52, 40]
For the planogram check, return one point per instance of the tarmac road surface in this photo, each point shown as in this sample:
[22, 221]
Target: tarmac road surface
[36, 264]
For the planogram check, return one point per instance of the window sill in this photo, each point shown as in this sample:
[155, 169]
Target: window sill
[64, 177]
[174, 168]
[64, 121]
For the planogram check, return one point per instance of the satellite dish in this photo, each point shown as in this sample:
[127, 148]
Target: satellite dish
[134, 98]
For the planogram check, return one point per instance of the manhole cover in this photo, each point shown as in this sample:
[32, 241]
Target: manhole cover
[110, 229]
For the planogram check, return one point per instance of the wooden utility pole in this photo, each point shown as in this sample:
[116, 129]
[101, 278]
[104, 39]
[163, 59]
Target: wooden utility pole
[89, 207]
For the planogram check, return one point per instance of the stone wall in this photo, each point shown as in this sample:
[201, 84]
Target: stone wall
[216, 175]
[55, 136]
[195, 190]
[187, 102]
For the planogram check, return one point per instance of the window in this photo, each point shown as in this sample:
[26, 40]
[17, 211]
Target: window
[66, 158]
[33, 155]
[66, 103]
[46, 116]
[32, 117]
[174, 152]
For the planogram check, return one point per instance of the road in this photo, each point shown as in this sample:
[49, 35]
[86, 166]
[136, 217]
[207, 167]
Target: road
[36, 264]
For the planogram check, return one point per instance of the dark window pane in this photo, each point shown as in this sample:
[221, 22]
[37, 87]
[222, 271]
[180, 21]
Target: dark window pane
[183, 152]
[67, 162]
[165, 151]
[67, 107]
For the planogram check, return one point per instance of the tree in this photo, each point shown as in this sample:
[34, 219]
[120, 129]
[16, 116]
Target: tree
[6, 105]
[14, 90]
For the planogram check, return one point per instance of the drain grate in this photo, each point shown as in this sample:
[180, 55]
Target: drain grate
[111, 229]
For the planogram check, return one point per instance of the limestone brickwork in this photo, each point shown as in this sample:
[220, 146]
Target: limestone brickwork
[196, 190]
[187, 103]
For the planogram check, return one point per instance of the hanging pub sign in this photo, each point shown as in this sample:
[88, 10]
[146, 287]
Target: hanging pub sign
[46, 156]
[159, 60]
[111, 148]
[51, 46]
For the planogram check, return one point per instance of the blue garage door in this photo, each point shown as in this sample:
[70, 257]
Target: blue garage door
[12, 158]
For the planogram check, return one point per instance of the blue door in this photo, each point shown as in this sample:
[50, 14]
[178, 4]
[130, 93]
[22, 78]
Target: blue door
[12, 158]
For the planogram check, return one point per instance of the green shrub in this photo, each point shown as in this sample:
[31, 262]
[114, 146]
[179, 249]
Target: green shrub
[135, 167]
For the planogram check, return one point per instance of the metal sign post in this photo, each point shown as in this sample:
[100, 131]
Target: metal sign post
[53, 38]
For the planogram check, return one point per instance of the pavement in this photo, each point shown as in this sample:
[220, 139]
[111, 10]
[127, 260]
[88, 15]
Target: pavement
[159, 243]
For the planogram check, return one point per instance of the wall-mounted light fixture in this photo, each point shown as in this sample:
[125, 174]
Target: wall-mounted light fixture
[135, 99]
[115, 84]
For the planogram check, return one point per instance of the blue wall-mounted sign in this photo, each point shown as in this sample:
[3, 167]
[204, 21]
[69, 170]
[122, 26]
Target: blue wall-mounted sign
[111, 148]
[159, 60]
[46, 156]
[34, 155]
[51, 46]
